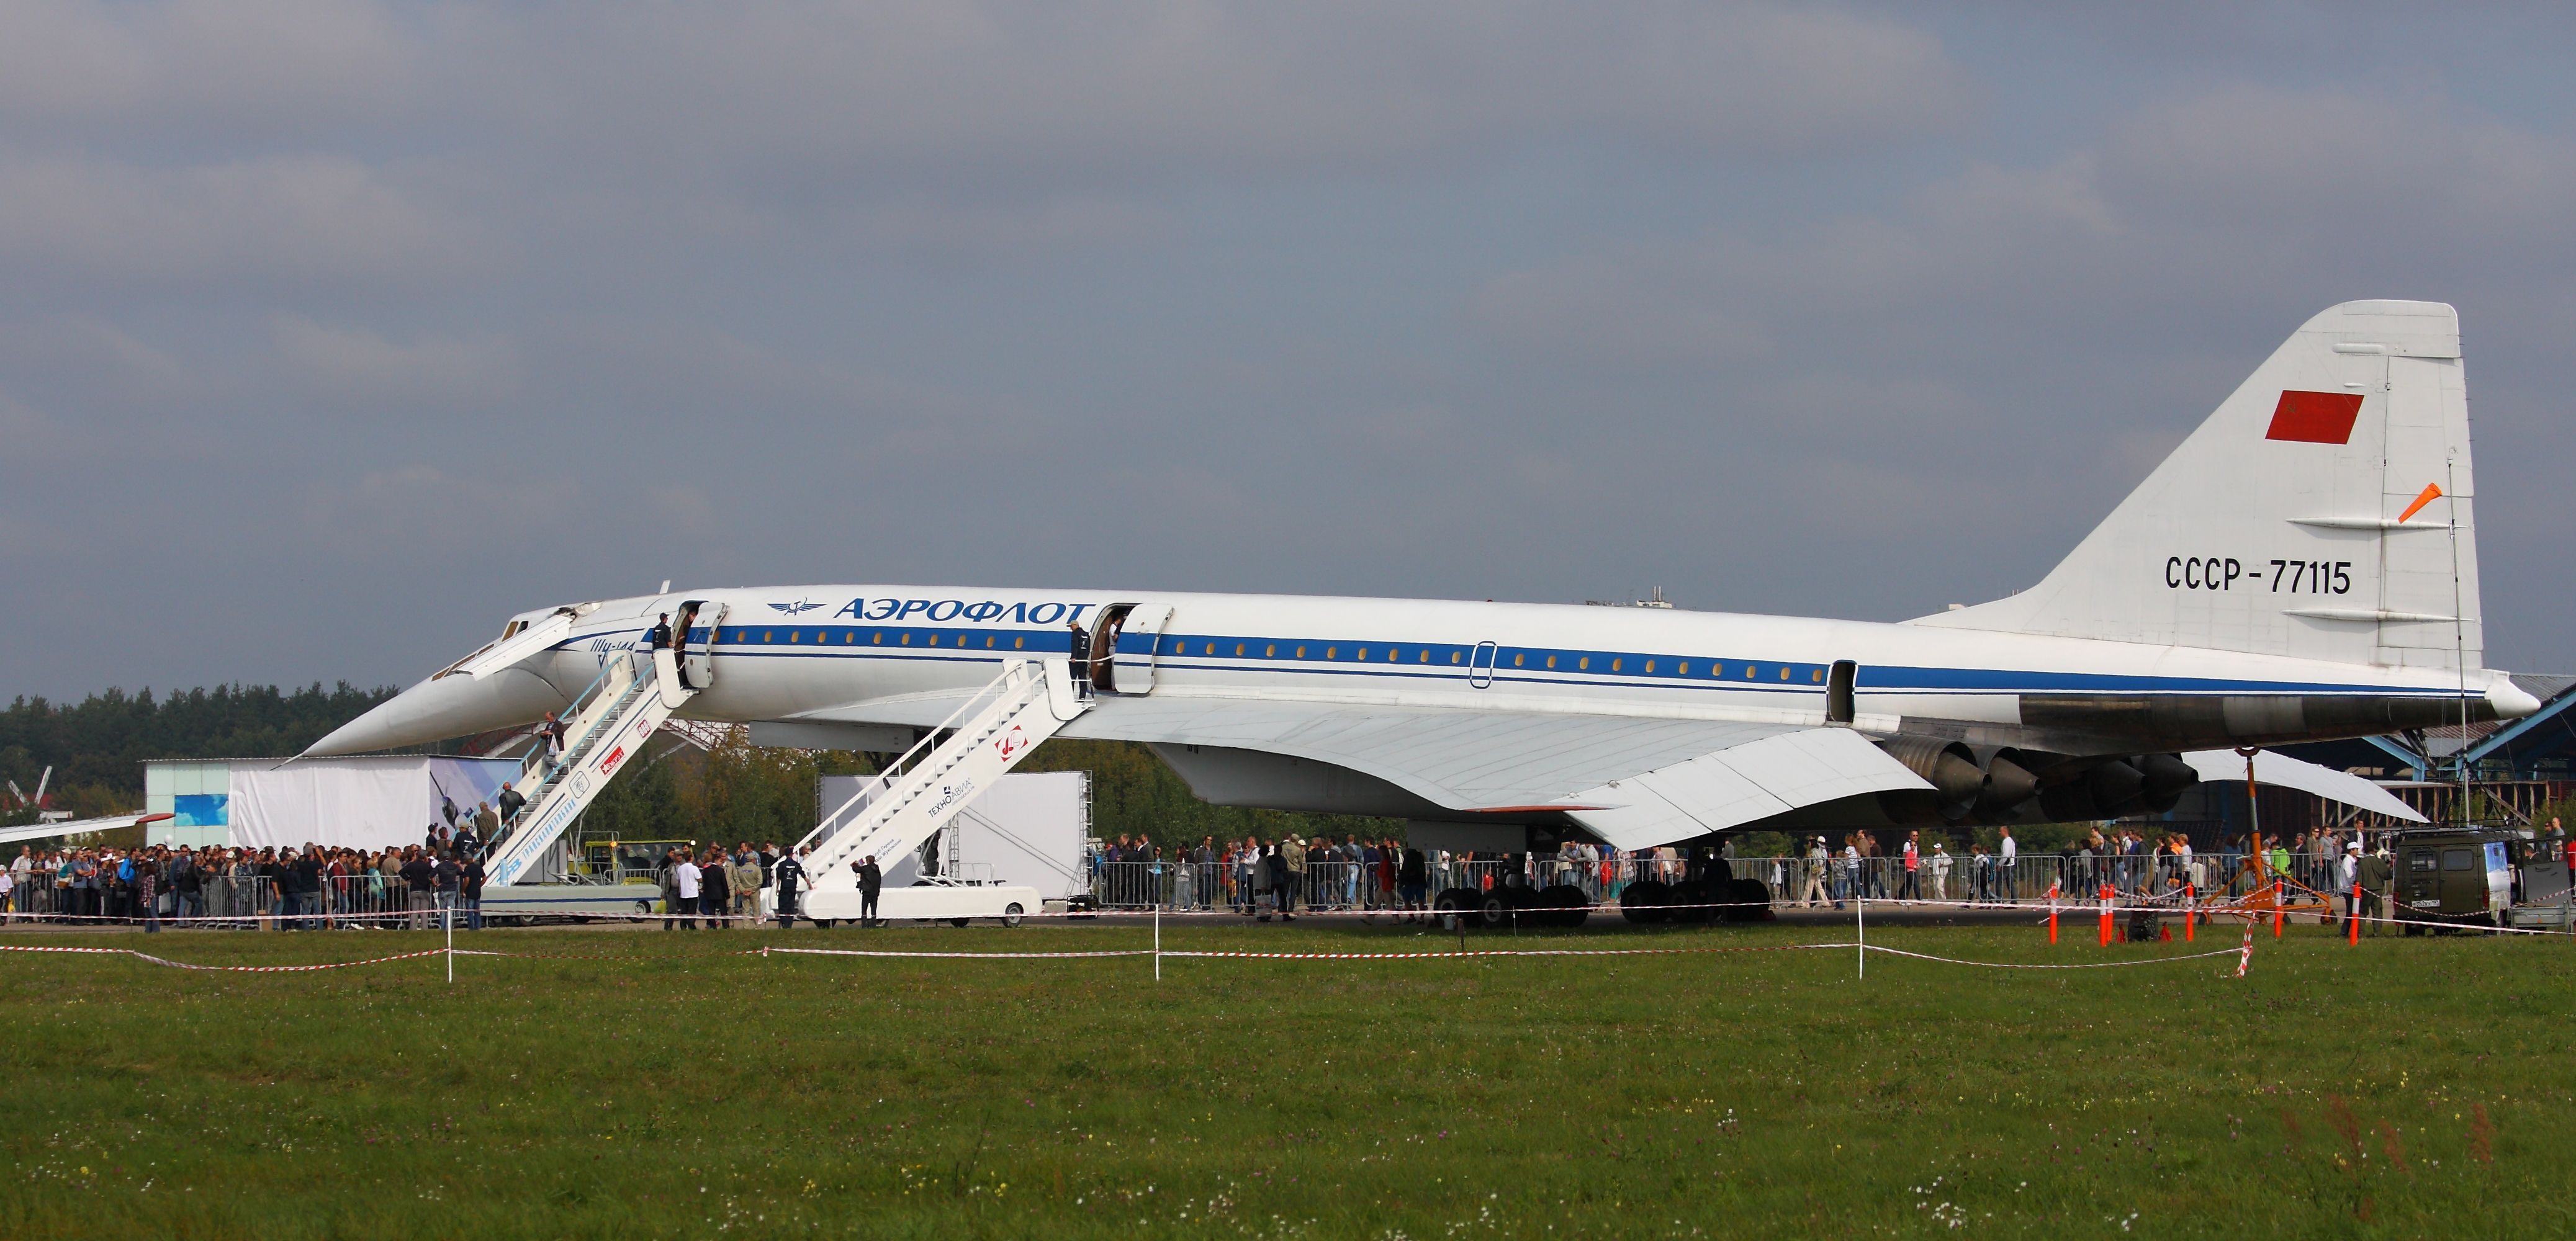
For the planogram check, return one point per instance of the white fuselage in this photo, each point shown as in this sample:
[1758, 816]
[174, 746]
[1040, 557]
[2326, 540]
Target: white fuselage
[901, 655]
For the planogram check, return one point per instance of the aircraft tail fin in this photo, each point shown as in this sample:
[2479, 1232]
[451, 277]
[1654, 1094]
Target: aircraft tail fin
[2324, 511]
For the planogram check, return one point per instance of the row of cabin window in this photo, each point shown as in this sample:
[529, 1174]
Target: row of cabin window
[850, 637]
[1520, 659]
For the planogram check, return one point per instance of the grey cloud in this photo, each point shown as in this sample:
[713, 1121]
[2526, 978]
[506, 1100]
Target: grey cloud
[200, 66]
[411, 316]
[281, 218]
[959, 91]
[358, 366]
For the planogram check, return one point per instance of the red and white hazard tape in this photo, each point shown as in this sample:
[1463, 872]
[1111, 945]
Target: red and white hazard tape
[236, 969]
[990, 956]
[2243, 955]
[1458, 953]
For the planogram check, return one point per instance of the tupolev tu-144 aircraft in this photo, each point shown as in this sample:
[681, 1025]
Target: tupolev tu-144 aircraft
[2302, 567]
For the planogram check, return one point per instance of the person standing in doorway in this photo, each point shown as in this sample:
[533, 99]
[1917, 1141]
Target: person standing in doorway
[871, 882]
[1078, 654]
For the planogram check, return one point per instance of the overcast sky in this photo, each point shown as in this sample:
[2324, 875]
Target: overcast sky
[331, 333]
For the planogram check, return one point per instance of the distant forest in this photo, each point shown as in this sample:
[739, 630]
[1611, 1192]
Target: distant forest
[97, 746]
[737, 792]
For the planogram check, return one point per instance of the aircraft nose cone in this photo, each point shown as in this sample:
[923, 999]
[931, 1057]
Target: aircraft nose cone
[454, 706]
[2510, 701]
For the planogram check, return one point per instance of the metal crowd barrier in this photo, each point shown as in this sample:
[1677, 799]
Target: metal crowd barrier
[1971, 877]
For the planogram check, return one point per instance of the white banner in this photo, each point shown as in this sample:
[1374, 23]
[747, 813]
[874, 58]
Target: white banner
[358, 805]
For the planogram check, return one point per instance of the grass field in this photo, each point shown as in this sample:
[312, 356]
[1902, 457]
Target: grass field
[2406, 1088]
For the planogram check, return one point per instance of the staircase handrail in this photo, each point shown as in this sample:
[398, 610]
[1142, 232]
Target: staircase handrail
[929, 740]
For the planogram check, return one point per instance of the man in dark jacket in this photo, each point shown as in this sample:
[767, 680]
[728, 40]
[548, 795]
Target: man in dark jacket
[450, 877]
[511, 803]
[715, 893]
[1078, 647]
[189, 883]
[871, 881]
[307, 872]
[420, 887]
[789, 874]
[471, 887]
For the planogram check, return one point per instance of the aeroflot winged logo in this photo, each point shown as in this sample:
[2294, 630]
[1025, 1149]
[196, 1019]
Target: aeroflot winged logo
[801, 605]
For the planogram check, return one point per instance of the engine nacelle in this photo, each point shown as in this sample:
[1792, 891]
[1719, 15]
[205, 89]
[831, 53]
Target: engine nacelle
[1949, 767]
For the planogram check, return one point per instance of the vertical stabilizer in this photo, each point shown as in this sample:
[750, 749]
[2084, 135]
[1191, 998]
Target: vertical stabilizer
[2324, 511]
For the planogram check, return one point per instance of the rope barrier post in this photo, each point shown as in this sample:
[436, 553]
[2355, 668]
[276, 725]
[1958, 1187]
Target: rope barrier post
[2052, 911]
[2106, 915]
[1860, 934]
[2352, 916]
[451, 952]
[2277, 916]
[2190, 911]
[1158, 942]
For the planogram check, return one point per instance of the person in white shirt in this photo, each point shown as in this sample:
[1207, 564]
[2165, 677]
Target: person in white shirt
[686, 872]
[2347, 874]
[2004, 865]
[1937, 869]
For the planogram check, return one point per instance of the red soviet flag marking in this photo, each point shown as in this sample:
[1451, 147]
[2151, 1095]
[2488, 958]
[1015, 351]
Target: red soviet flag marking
[2315, 417]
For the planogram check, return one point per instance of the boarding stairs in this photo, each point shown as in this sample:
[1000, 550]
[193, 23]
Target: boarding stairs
[605, 728]
[900, 810]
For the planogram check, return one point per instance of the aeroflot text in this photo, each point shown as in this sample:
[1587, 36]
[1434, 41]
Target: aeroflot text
[958, 609]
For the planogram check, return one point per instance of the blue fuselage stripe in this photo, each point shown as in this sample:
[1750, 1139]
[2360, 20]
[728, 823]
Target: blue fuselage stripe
[1452, 661]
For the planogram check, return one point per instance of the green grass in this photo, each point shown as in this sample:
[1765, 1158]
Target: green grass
[688, 1091]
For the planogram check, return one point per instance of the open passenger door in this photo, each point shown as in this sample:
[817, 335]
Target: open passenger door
[1125, 646]
[695, 635]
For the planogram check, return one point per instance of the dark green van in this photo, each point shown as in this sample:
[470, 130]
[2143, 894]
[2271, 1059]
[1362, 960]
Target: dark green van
[2455, 875]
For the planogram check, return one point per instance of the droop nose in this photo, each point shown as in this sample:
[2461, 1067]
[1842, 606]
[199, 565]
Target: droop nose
[450, 706]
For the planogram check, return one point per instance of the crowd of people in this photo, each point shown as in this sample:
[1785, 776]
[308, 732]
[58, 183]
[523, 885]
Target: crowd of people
[318, 887]
[314, 887]
[1266, 878]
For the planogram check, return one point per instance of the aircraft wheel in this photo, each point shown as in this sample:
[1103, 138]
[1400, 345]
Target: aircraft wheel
[1493, 910]
[1643, 902]
[1749, 900]
[1564, 903]
[1690, 902]
[958, 921]
[1011, 914]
